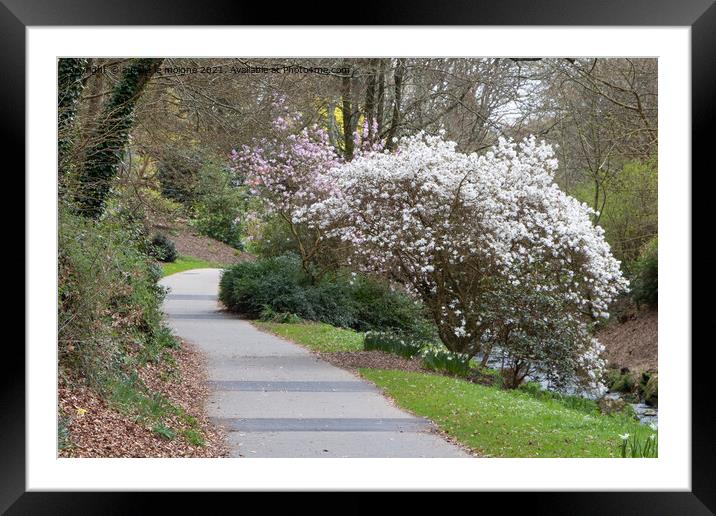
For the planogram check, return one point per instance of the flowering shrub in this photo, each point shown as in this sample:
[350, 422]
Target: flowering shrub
[287, 173]
[498, 254]
[163, 249]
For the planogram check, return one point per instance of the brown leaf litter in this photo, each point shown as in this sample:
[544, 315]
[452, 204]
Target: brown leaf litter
[96, 429]
[353, 360]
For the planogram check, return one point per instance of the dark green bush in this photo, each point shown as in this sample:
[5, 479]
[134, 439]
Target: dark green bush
[342, 299]
[645, 285]
[279, 284]
[268, 315]
[378, 307]
[162, 248]
[397, 344]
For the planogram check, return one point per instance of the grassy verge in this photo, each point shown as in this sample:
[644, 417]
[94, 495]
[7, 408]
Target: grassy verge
[316, 336]
[185, 263]
[502, 423]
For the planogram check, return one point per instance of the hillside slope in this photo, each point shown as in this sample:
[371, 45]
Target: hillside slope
[633, 341]
[191, 243]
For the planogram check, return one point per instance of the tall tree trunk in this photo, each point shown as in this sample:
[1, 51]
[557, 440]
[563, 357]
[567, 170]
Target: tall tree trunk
[347, 115]
[69, 90]
[94, 86]
[381, 95]
[397, 98]
[333, 132]
[111, 136]
[370, 98]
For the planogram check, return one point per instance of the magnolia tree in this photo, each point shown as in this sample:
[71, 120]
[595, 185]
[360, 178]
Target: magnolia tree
[288, 173]
[501, 257]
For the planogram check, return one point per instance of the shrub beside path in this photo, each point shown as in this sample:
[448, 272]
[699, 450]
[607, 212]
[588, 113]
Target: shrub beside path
[276, 399]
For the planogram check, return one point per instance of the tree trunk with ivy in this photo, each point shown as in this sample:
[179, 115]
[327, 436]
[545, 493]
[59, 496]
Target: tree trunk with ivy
[70, 73]
[111, 136]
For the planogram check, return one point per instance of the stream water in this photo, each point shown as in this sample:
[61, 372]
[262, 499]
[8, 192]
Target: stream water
[646, 414]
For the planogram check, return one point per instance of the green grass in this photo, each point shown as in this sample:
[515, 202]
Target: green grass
[500, 423]
[185, 263]
[316, 336]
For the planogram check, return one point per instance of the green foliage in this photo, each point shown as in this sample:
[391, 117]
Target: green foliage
[316, 336]
[651, 389]
[130, 396]
[277, 283]
[268, 315]
[629, 215]
[178, 175]
[531, 328]
[165, 432]
[63, 432]
[378, 307]
[70, 73]
[219, 206]
[270, 237]
[486, 376]
[579, 403]
[401, 345]
[340, 299]
[504, 423]
[165, 339]
[438, 358]
[640, 444]
[103, 158]
[193, 437]
[621, 382]
[109, 302]
[162, 248]
[645, 285]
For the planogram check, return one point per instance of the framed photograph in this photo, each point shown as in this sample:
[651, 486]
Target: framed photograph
[414, 250]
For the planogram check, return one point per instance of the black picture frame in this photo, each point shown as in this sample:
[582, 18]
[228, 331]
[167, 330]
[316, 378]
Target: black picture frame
[700, 15]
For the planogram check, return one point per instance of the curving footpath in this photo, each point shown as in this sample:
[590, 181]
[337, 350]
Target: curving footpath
[276, 399]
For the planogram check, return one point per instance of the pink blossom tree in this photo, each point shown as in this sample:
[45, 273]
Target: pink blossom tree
[287, 173]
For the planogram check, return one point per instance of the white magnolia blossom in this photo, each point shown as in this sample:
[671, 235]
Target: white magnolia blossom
[462, 229]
